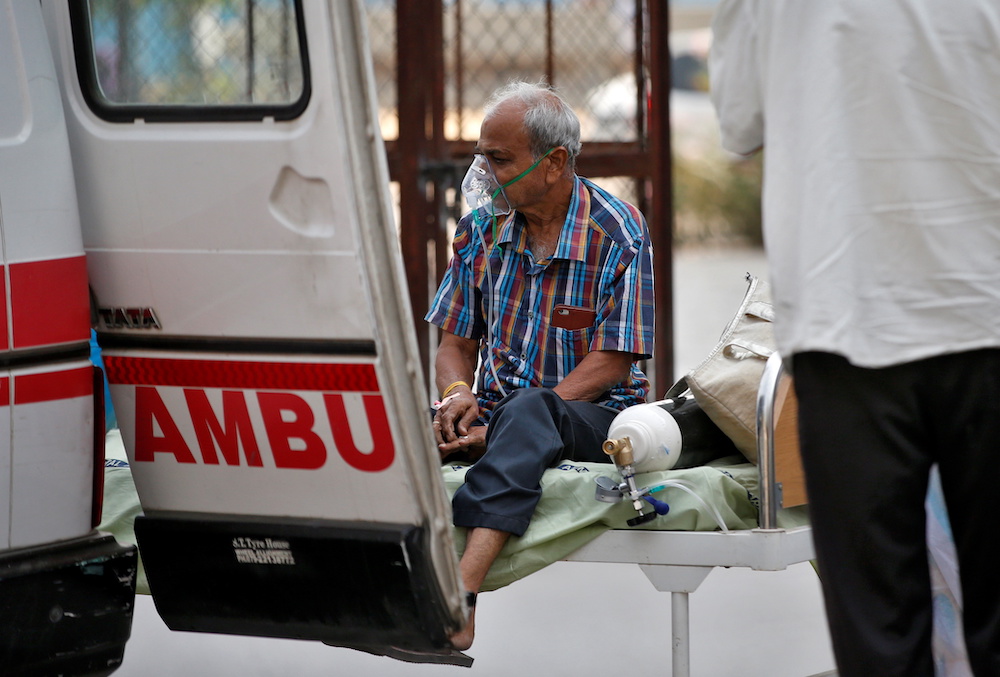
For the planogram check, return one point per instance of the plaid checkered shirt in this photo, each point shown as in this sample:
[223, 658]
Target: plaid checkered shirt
[602, 267]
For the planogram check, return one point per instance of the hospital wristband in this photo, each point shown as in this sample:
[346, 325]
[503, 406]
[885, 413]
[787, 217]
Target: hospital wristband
[452, 387]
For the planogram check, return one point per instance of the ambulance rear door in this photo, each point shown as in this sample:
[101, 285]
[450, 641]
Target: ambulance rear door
[250, 300]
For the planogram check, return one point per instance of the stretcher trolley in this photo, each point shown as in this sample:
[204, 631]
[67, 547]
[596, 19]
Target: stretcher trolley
[678, 561]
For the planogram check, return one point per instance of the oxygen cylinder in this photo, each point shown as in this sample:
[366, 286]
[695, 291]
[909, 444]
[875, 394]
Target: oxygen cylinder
[670, 434]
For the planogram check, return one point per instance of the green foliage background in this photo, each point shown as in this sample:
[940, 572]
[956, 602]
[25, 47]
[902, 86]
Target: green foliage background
[717, 199]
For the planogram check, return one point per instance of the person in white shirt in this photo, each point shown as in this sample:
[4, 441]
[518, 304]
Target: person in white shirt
[881, 123]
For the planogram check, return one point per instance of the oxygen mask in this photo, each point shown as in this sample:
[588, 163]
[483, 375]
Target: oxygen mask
[482, 190]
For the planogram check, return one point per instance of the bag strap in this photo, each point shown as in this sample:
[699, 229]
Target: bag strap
[762, 310]
[738, 349]
[676, 389]
[735, 348]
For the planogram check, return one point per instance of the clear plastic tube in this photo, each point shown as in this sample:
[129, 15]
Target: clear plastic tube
[686, 486]
[489, 308]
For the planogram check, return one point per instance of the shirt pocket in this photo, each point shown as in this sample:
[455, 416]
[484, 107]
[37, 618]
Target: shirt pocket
[570, 343]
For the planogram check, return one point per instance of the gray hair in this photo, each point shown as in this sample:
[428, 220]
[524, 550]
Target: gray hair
[548, 119]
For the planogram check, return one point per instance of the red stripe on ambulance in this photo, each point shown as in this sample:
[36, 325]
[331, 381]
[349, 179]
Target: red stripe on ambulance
[54, 385]
[48, 386]
[224, 431]
[4, 341]
[48, 303]
[342, 377]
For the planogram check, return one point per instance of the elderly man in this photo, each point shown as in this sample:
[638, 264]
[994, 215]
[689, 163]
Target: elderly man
[550, 293]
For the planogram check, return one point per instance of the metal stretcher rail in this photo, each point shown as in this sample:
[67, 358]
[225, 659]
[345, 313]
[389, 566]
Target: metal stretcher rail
[767, 397]
[678, 561]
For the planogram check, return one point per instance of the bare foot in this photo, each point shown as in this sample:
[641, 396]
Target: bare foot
[462, 639]
[481, 549]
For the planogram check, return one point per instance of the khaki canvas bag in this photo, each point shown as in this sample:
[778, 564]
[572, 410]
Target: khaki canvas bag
[725, 384]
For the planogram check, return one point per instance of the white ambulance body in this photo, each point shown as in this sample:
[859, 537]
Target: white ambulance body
[66, 591]
[250, 303]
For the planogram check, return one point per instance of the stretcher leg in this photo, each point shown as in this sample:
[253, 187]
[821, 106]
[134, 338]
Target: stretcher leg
[681, 627]
[680, 581]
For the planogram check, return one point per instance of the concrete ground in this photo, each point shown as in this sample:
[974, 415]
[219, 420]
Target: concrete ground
[572, 619]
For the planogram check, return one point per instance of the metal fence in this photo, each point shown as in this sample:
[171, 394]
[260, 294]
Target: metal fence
[585, 48]
[196, 52]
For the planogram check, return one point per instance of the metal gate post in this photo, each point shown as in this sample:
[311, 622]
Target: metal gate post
[420, 88]
[661, 216]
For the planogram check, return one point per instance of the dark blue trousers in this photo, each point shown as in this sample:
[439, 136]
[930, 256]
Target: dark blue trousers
[869, 438]
[531, 430]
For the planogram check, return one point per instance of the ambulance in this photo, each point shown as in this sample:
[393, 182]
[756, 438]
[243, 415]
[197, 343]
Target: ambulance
[204, 183]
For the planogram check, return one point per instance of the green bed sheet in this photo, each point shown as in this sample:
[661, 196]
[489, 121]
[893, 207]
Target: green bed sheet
[567, 516]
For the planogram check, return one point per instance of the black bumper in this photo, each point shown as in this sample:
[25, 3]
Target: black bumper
[66, 608]
[346, 584]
